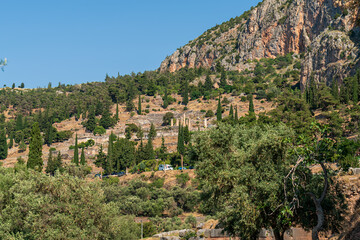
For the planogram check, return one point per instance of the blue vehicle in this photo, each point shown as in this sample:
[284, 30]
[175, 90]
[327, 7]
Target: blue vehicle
[191, 167]
[182, 168]
[98, 175]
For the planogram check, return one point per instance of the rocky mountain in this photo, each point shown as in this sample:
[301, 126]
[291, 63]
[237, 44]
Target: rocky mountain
[320, 31]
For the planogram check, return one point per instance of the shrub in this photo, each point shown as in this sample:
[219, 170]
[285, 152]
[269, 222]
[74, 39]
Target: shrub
[182, 179]
[209, 113]
[167, 118]
[191, 220]
[99, 130]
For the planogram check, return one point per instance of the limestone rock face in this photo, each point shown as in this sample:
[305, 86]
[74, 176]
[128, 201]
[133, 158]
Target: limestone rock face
[274, 27]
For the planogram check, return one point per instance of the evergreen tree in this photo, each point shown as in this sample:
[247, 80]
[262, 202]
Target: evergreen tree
[109, 159]
[82, 157]
[58, 161]
[152, 132]
[35, 149]
[129, 105]
[139, 105]
[236, 114]
[11, 143]
[106, 121]
[187, 135]
[335, 89]
[344, 94]
[251, 104]
[98, 108]
[76, 152]
[180, 143]
[166, 99]
[185, 96]
[149, 150]
[51, 165]
[231, 112]
[22, 145]
[355, 90]
[19, 122]
[140, 153]
[13, 86]
[90, 124]
[101, 158]
[223, 83]
[219, 110]
[3, 144]
[208, 85]
[117, 113]
[163, 149]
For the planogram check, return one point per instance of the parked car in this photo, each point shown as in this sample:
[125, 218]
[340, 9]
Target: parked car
[98, 175]
[163, 167]
[182, 168]
[191, 167]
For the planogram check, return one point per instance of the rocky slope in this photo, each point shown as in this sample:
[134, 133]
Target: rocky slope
[317, 29]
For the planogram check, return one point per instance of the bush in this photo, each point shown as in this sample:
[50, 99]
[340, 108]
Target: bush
[209, 114]
[167, 118]
[182, 179]
[158, 183]
[99, 130]
[191, 220]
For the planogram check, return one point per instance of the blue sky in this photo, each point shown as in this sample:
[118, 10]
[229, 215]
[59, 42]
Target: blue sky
[81, 40]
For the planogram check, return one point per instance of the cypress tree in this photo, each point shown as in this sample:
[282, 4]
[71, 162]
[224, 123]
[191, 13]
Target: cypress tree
[76, 152]
[90, 124]
[117, 113]
[106, 120]
[251, 104]
[51, 164]
[82, 157]
[231, 112]
[58, 161]
[180, 144]
[163, 149]
[236, 114]
[109, 162]
[3, 144]
[165, 99]
[139, 105]
[186, 133]
[219, 110]
[208, 83]
[19, 122]
[222, 83]
[149, 150]
[35, 149]
[185, 100]
[152, 132]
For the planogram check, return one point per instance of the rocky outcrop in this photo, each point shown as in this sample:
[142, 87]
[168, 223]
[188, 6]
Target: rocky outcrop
[275, 27]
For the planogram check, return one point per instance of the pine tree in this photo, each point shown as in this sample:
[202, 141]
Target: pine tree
[251, 104]
[166, 99]
[152, 132]
[3, 144]
[180, 143]
[231, 112]
[98, 108]
[82, 157]
[76, 152]
[22, 145]
[117, 113]
[219, 111]
[139, 105]
[19, 122]
[35, 149]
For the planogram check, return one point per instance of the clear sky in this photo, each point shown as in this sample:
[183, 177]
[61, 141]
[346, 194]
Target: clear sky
[77, 41]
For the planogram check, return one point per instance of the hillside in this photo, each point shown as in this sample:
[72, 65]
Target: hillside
[321, 31]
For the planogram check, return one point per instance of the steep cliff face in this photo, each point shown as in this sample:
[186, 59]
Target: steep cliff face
[274, 27]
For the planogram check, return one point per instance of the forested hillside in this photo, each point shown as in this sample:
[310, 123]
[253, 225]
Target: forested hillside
[264, 145]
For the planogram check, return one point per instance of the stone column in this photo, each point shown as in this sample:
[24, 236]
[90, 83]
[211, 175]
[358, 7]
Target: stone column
[172, 122]
[205, 123]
